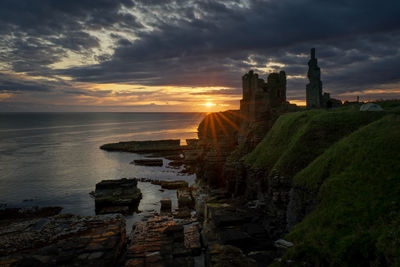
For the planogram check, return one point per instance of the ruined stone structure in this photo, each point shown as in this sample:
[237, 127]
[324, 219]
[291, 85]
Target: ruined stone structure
[314, 88]
[260, 96]
[314, 96]
[221, 133]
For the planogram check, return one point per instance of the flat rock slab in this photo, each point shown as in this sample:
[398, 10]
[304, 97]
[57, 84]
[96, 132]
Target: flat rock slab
[63, 240]
[158, 242]
[115, 193]
[164, 184]
[174, 184]
[145, 146]
[148, 162]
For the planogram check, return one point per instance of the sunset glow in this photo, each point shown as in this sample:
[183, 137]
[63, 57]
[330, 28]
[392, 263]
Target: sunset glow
[128, 59]
[209, 104]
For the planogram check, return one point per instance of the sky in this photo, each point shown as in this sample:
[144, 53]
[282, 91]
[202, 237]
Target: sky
[190, 55]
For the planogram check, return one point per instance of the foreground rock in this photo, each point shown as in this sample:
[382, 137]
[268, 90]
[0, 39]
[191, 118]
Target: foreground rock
[161, 242]
[148, 162]
[233, 230]
[113, 196]
[222, 256]
[61, 240]
[145, 146]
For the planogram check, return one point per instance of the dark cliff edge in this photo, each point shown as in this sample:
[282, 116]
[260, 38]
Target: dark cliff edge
[328, 180]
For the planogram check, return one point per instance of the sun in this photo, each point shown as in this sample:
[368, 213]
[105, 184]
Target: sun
[209, 104]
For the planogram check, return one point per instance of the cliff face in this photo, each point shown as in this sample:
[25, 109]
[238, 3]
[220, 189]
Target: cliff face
[218, 135]
[291, 145]
[293, 172]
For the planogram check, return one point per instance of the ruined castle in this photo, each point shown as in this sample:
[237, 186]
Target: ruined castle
[260, 96]
[259, 105]
[314, 96]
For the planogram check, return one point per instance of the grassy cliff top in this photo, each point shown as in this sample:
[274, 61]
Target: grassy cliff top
[297, 138]
[357, 219]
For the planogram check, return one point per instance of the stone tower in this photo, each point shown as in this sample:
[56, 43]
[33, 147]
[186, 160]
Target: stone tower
[314, 88]
[260, 96]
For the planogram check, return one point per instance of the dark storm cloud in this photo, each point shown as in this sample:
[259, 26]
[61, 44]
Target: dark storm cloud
[208, 43]
[38, 33]
[12, 84]
[209, 48]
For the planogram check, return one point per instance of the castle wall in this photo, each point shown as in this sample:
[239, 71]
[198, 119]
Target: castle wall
[259, 97]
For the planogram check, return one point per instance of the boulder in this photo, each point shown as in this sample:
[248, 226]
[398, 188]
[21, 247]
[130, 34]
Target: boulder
[185, 199]
[281, 243]
[122, 192]
[166, 205]
[182, 214]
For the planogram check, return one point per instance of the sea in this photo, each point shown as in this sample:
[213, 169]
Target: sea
[54, 159]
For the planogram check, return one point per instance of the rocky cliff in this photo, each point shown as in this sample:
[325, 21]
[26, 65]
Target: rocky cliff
[293, 173]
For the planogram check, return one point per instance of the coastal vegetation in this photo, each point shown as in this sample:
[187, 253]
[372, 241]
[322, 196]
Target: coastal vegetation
[347, 162]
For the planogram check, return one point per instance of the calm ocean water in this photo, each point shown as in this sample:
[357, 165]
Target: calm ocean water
[54, 158]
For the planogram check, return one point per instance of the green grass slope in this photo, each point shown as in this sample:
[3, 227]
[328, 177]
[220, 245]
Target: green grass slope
[296, 139]
[357, 221]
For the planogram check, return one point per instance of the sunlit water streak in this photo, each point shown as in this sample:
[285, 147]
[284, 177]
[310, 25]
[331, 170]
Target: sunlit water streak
[54, 158]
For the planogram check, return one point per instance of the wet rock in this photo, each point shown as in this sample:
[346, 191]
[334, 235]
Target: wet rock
[185, 198]
[182, 214]
[144, 146]
[158, 242]
[62, 240]
[166, 205]
[116, 193]
[148, 162]
[281, 243]
[174, 184]
[175, 164]
[164, 184]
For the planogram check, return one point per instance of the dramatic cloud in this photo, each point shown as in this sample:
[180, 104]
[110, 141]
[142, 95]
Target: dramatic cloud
[197, 43]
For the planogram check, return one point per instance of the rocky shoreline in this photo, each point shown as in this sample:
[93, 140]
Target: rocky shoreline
[208, 229]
